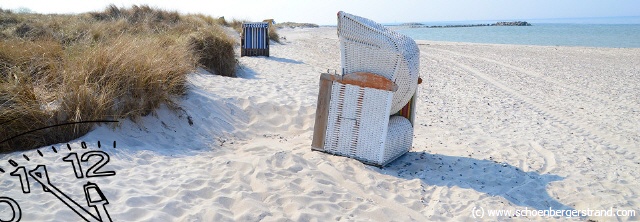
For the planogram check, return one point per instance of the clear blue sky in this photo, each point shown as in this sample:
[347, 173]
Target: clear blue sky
[323, 12]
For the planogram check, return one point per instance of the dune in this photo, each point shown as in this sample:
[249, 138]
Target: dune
[499, 127]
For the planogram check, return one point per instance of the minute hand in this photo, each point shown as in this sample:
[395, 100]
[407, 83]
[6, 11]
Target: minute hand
[40, 174]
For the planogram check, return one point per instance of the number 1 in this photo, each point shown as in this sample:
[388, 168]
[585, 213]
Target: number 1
[75, 162]
[24, 179]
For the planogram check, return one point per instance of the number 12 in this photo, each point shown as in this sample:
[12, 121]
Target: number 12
[93, 171]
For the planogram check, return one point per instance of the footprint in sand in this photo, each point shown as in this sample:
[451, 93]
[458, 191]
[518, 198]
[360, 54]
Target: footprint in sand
[548, 156]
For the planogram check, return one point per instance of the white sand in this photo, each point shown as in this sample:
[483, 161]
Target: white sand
[500, 127]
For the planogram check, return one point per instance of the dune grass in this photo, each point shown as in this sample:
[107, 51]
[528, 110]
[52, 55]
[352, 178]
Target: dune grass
[296, 25]
[120, 63]
[236, 24]
[273, 34]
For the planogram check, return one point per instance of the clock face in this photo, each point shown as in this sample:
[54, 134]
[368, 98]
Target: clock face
[67, 176]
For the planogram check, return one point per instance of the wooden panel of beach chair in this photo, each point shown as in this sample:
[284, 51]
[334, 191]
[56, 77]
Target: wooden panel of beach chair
[322, 111]
[369, 80]
[254, 39]
[409, 110]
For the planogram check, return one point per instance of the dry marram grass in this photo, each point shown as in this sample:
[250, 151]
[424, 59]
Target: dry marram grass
[110, 65]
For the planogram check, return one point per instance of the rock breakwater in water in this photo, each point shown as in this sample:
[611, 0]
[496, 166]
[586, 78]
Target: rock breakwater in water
[420, 25]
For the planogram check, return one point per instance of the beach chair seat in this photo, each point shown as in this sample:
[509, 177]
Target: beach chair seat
[367, 113]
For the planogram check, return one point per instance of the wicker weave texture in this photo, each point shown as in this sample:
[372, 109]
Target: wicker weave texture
[367, 46]
[356, 125]
[399, 139]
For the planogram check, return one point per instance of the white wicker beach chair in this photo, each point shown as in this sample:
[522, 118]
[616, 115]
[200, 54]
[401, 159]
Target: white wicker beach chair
[355, 112]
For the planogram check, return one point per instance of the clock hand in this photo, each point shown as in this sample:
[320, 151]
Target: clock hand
[40, 174]
[96, 199]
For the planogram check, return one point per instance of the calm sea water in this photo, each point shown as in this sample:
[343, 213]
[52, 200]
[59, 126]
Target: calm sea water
[621, 32]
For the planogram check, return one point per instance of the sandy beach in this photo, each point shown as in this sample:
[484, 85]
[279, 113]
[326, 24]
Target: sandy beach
[499, 127]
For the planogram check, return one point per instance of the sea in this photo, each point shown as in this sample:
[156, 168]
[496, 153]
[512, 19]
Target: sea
[611, 32]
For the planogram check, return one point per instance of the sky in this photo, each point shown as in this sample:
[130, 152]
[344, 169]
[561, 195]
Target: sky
[323, 12]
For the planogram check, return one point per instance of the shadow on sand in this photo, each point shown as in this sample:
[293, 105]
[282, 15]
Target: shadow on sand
[526, 189]
[285, 60]
[246, 72]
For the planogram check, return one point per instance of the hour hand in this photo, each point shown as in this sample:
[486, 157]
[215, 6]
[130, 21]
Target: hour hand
[40, 175]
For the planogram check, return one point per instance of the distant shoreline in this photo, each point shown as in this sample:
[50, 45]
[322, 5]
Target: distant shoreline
[420, 25]
[609, 36]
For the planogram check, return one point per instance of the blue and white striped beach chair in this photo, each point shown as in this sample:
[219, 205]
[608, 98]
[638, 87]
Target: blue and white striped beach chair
[255, 39]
